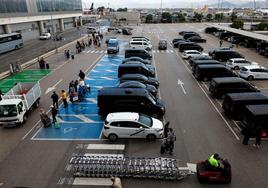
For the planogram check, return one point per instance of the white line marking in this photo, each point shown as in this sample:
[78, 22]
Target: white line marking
[182, 87]
[97, 51]
[103, 154]
[92, 181]
[92, 51]
[31, 129]
[106, 146]
[84, 119]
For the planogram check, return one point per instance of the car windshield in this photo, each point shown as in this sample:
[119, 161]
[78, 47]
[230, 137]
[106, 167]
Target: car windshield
[243, 69]
[112, 44]
[8, 110]
[152, 98]
[145, 120]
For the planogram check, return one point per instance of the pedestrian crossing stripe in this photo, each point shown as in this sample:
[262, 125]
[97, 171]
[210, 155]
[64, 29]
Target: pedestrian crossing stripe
[162, 51]
[95, 51]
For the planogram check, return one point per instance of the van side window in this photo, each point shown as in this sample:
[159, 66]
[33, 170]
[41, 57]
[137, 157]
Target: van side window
[128, 124]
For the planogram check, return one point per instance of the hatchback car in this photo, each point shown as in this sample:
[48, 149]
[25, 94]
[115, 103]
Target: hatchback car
[140, 78]
[132, 125]
[162, 45]
[253, 72]
[191, 53]
[196, 39]
[45, 36]
[237, 63]
[136, 84]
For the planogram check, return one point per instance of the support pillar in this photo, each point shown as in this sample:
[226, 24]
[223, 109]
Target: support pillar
[74, 21]
[81, 21]
[7, 29]
[41, 27]
[61, 25]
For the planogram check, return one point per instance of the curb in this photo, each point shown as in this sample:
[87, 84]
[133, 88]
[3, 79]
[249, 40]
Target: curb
[35, 60]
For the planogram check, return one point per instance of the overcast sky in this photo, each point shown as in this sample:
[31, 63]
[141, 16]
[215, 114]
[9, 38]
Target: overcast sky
[154, 3]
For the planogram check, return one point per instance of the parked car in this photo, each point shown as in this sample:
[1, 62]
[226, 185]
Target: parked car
[141, 45]
[140, 78]
[134, 58]
[45, 36]
[203, 62]
[253, 72]
[199, 57]
[234, 103]
[138, 53]
[132, 125]
[191, 53]
[211, 30]
[149, 66]
[225, 55]
[220, 86]
[136, 84]
[135, 69]
[189, 46]
[137, 37]
[162, 45]
[183, 32]
[178, 42]
[113, 99]
[141, 39]
[196, 39]
[206, 72]
[126, 32]
[113, 46]
[251, 43]
[237, 63]
[186, 36]
[221, 48]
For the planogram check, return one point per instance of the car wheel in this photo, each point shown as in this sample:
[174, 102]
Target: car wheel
[16, 47]
[112, 137]
[250, 78]
[236, 68]
[36, 104]
[151, 137]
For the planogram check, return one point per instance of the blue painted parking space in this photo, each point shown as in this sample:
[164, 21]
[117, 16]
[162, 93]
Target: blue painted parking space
[80, 120]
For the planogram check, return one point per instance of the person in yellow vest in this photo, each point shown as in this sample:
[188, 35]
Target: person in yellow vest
[214, 161]
[64, 98]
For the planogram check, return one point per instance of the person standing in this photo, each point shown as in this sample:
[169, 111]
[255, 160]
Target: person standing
[54, 112]
[258, 132]
[64, 98]
[55, 99]
[166, 129]
[247, 132]
[221, 43]
[81, 75]
[171, 139]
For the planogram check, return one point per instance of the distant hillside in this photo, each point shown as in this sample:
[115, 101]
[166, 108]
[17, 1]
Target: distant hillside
[249, 4]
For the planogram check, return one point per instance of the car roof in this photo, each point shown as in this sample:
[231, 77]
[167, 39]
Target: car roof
[247, 96]
[132, 65]
[132, 75]
[131, 82]
[258, 109]
[254, 67]
[111, 91]
[123, 116]
[228, 80]
[189, 51]
[9, 101]
[211, 66]
[134, 49]
[237, 59]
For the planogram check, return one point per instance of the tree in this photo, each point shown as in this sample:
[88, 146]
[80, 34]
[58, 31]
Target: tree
[122, 10]
[198, 17]
[149, 18]
[233, 16]
[262, 26]
[219, 17]
[166, 17]
[209, 17]
[237, 24]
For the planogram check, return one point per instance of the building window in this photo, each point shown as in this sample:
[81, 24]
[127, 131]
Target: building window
[11, 6]
[58, 5]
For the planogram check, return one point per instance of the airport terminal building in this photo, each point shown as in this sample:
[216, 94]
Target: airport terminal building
[33, 17]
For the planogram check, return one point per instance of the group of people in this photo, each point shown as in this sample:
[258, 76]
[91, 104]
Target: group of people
[95, 40]
[43, 64]
[168, 140]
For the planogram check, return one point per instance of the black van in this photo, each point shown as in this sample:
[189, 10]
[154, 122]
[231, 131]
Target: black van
[220, 86]
[225, 55]
[189, 46]
[138, 53]
[112, 99]
[135, 69]
[234, 103]
[255, 116]
[206, 72]
[203, 62]
[200, 57]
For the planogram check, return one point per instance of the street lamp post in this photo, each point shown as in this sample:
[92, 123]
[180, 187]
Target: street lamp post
[53, 30]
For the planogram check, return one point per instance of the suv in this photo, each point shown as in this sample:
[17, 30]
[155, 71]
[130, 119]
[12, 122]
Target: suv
[189, 46]
[135, 69]
[162, 45]
[237, 63]
[132, 125]
[253, 72]
[138, 53]
[140, 78]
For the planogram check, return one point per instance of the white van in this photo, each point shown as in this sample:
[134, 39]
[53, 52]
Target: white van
[91, 30]
[140, 44]
[141, 39]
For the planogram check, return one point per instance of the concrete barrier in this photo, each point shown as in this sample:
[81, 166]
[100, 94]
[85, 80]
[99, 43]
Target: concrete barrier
[35, 60]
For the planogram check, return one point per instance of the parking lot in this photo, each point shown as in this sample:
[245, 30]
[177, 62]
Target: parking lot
[198, 120]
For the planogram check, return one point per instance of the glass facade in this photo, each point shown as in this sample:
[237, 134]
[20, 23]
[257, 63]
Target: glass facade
[58, 5]
[13, 6]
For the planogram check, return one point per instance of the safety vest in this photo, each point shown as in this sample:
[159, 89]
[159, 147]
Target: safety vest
[213, 162]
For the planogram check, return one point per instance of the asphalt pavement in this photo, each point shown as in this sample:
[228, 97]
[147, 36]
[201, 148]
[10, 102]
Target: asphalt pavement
[199, 123]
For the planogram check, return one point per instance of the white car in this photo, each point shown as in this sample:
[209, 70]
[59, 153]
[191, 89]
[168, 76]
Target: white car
[237, 63]
[253, 72]
[140, 44]
[191, 53]
[45, 36]
[132, 125]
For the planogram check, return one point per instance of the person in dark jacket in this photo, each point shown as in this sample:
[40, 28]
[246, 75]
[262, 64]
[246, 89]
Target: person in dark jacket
[171, 139]
[247, 132]
[55, 99]
[81, 75]
[166, 129]
[1, 94]
[54, 112]
[258, 132]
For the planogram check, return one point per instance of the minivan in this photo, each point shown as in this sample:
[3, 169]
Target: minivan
[255, 116]
[111, 99]
[140, 44]
[225, 55]
[141, 39]
[233, 103]
[189, 46]
[203, 62]
[113, 46]
[135, 69]
[220, 86]
[138, 53]
[206, 72]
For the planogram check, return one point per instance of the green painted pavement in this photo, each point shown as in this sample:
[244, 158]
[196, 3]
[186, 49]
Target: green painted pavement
[24, 76]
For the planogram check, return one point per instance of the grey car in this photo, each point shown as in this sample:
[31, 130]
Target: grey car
[162, 45]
